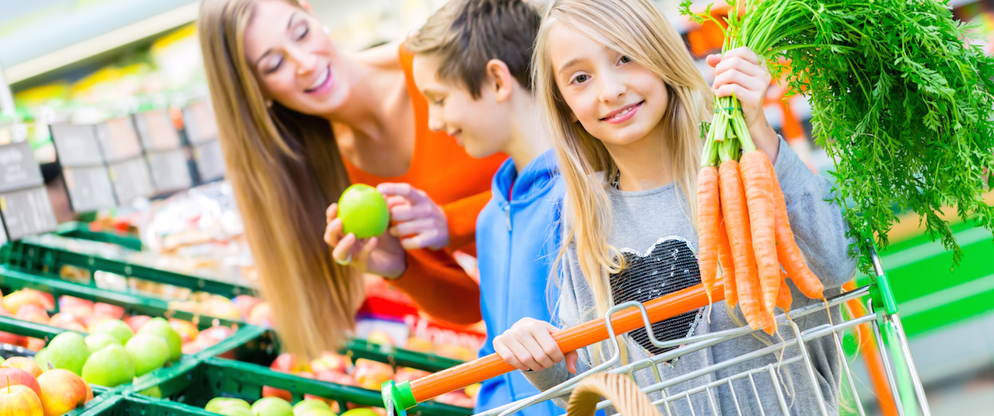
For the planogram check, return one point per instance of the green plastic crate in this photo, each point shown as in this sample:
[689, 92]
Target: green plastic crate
[117, 405]
[81, 230]
[42, 254]
[216, 377]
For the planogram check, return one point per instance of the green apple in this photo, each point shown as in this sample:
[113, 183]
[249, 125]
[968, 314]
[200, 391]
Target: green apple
[272, 406]
[363, 211]
[307, 405]
[114, 327]
[220, 403]
[67, 351]
[150, 352]
[97, 342]
[161, 327]
[109, 367]
[360, 412]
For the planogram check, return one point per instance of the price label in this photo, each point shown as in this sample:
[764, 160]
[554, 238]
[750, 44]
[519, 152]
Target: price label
[26, 212]
[118, 139]
[199, 122]
[89, 188]
[18, 168]
[170, 171]
[157, 131]
[131, 180]
[76, 145]
[209, 160]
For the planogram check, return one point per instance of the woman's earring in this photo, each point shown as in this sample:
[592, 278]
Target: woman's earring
[269, 103]
[326, 29]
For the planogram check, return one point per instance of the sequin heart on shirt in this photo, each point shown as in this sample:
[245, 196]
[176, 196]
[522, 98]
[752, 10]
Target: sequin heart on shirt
[668, 266]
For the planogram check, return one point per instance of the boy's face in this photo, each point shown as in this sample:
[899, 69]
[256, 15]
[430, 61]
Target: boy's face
[481, 126]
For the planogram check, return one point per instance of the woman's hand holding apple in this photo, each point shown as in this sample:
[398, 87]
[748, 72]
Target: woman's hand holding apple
[382, 255]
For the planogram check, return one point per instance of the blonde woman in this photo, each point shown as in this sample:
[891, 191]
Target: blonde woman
[299, 122]
[623, 100]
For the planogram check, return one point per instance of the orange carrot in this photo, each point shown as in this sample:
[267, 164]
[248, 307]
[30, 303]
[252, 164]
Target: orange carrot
[787, 250]
[783, 296]
[759, 198]
[708, 220]
[727, 266]
[733, 207]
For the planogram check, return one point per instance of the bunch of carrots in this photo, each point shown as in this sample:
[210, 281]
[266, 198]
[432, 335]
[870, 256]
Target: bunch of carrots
[743, 226]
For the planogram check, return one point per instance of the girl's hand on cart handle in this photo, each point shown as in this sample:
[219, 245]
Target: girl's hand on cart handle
[418, 220]
[528, 346]
[739, 72]
[381, 255]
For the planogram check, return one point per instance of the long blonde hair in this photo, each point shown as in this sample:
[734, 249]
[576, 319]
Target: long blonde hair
[285, 169]
[637, 29]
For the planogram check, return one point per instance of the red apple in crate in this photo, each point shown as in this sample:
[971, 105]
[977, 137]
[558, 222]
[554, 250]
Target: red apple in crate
[337, 378]
[15, 376]
[214, 335]
[371, 374]
[275, 392]
[68, 321]
[20, 401]
[24, 363]
[409, 374]
[14, 301]
[13, 339]
[62, 391]
[47, 300]
[35, 344]
[187, 330]
[192, 347]
[220, 307]
[244, 304]
[287, 363]
[110, 311]
[32, 313]
[93, 321]
[329, 361]
[136, 322]
[76, 306]
[261, 315]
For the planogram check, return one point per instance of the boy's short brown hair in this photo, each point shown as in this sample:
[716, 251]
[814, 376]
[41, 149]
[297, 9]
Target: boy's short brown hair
[466, 34]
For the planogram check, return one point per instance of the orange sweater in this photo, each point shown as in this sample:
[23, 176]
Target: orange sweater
[461, 185]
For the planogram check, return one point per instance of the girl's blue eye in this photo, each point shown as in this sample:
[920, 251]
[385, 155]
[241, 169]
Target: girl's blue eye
[625, 59]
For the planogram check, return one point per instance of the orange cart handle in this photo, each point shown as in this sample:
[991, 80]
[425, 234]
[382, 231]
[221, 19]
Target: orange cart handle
[570, 339]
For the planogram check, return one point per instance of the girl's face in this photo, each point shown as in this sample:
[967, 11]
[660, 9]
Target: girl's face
[293, 59]
[615, 100]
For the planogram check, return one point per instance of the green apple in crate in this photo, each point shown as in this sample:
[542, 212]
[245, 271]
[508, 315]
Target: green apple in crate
[161, 328]
[307, 406]
[97, 342]
[150, 352]
[229, 406]
[109, 367]
[272, 406]
[114, 327]
[67, 350]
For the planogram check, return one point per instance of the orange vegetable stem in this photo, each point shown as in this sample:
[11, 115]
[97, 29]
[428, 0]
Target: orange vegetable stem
[570, 339]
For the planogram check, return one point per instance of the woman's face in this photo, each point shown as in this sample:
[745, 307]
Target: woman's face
[293, 59]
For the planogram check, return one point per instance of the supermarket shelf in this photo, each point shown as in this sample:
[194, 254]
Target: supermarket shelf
[130, 34]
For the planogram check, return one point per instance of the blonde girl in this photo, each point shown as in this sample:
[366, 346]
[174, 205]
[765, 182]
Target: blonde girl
[623, 103]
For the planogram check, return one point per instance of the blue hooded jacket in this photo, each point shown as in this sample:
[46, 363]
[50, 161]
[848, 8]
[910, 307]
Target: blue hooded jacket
[516, 245]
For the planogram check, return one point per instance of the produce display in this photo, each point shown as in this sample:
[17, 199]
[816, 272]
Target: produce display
[26, 389]
[899, 101]
[274, 406]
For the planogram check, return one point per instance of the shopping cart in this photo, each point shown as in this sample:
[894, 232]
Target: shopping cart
[895, 379]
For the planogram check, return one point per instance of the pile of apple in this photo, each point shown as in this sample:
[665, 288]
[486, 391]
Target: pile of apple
[112, 354]
[26, 390]
[274, 406]
[367, 374]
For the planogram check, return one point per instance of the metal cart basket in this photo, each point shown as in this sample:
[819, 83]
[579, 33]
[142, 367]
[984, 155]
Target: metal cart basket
[876, 329]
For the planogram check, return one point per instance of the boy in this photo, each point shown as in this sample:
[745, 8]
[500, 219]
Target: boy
[472, 62]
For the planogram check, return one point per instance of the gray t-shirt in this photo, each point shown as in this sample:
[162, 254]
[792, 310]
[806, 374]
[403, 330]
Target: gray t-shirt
[648, 223]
